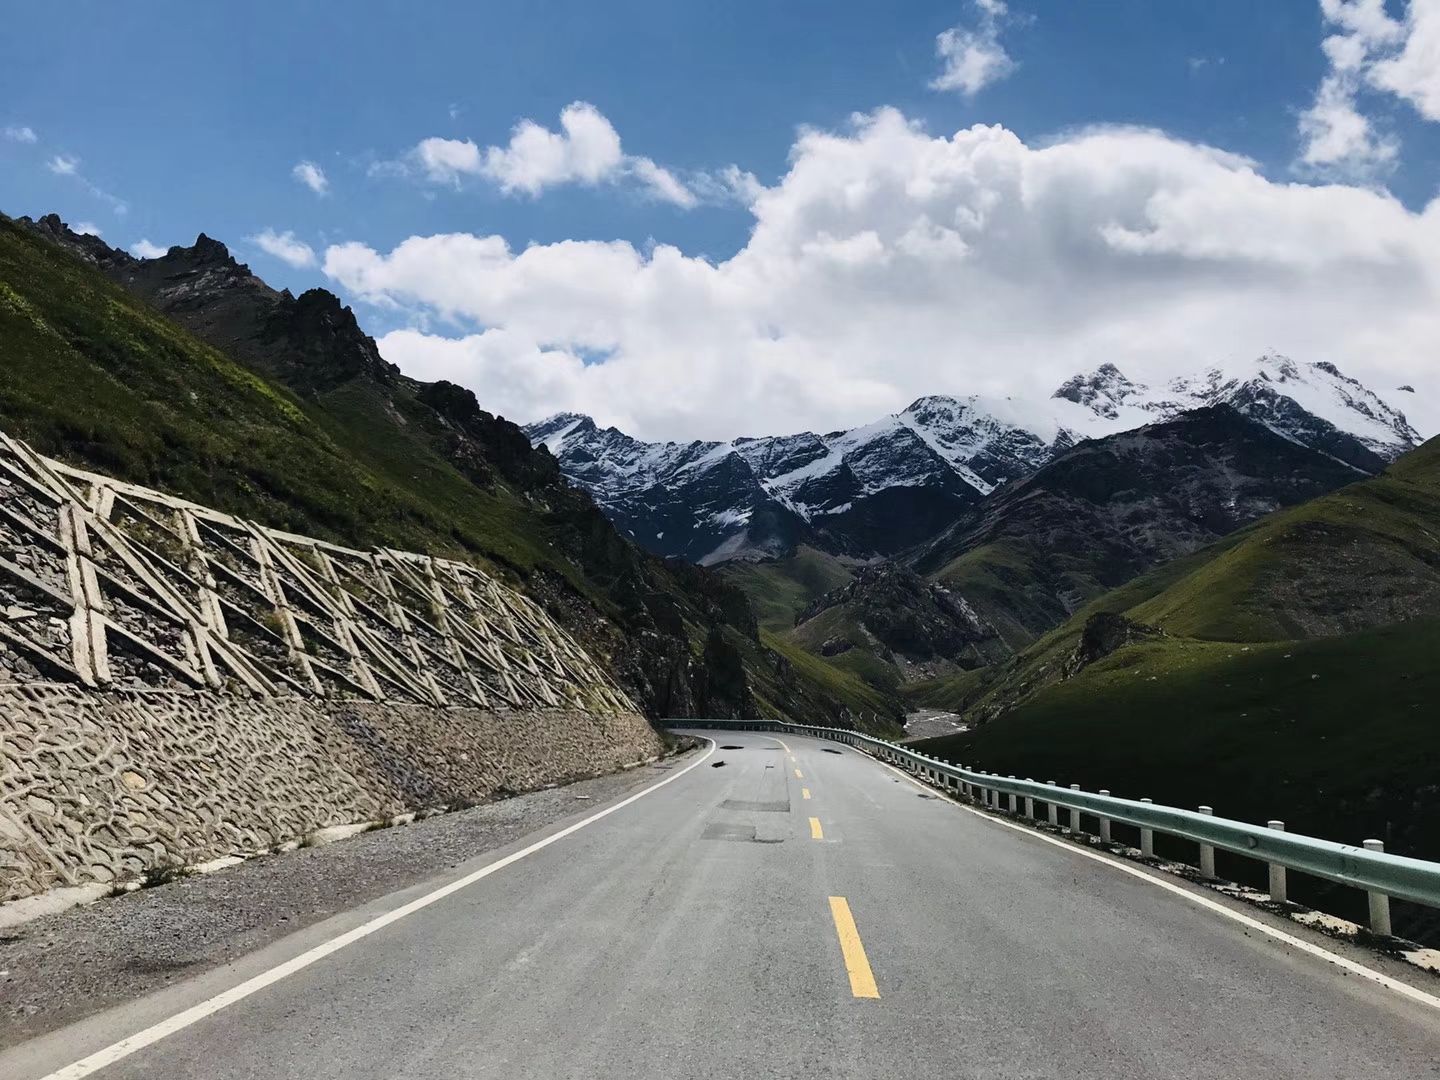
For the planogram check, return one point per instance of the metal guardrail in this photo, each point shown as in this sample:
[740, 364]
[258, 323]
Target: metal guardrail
[1367, 867]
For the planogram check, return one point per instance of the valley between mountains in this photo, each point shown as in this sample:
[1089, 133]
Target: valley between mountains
[1126, 582]
[1124, 585]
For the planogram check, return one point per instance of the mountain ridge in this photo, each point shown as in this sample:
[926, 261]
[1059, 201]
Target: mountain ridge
[878, 489]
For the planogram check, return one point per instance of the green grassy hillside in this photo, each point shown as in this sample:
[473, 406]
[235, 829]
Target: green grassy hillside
[779, 589]
[95, 376]
[1296, 678]
[1337, 736]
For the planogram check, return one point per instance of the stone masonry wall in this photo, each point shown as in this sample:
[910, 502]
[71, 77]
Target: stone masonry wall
[107, 786]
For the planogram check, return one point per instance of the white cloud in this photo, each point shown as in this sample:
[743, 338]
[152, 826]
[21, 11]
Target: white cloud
[1414, 72]
[144, 249]
[20, 134]
[889, 263]
[285, 247]
[662, 184]
[86, 228]
[69, 165]
[446, 160]
[312, 176]
[1337, 136]
[973, 56]
[586, 151]
[1370, 50]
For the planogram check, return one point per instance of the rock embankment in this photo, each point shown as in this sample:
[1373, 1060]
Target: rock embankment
[109, 787]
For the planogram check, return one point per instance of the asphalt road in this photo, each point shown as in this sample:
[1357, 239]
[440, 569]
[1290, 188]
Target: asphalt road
[710, 928]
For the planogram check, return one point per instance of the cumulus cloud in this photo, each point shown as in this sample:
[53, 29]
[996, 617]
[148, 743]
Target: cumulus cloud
[19, 133]
[1370, 50]
[144, 249]
[285, 247]
[1413, 72]
[586, 151]
[444, 161]
[63, 165]
[87, 228]
[890, 263]
[312, 176]
[972, 56]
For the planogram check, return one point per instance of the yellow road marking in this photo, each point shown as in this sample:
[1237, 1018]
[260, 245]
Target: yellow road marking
[799, 775]
[816, 833]
[804, 792]
[783, 745]
[862, 979]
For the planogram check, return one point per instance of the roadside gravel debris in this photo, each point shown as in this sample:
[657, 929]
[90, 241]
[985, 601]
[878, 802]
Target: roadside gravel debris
[62, 967]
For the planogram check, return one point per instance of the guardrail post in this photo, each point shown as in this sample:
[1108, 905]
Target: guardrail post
[1379, 902]
[1054, 810]
[1277, 872]
[1104, 823]
[1075, 814]
[1029, 801]
[1207, 851]
[1147, 838]
[1011, 799]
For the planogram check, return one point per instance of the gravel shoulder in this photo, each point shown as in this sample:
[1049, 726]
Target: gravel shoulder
[60, 968]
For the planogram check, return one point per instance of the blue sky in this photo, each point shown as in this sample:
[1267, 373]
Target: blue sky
[176, 118]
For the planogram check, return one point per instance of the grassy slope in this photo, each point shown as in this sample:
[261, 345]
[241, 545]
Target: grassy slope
[874, 709]
[780, 589]
[1001, 581]
[95, 376]
[1338, 736]
[1299, 681]
[1367, 554]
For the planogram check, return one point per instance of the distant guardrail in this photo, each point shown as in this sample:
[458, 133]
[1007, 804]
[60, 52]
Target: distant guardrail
[1369, 867]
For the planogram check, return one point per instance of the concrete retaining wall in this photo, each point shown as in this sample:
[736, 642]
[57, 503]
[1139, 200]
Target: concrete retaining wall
[102, 787]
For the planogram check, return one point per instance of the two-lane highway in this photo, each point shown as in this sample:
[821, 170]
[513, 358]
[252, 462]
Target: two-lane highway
[783, 908]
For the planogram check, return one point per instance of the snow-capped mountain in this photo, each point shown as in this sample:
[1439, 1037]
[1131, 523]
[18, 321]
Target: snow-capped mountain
[878, 489]
[1313, 404]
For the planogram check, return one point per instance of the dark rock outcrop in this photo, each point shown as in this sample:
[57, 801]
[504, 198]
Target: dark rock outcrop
[1105, 633]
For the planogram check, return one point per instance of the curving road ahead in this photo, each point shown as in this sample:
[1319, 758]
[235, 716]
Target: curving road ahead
[776, 909]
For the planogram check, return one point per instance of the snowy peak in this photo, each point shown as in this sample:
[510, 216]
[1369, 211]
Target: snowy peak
[1104, 391]
[1311, 403]
[877, 489]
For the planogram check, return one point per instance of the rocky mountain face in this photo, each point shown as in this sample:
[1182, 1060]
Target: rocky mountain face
[901, 618]
[1035, 551]
[871, 491]
[682, 641]
[877, 490]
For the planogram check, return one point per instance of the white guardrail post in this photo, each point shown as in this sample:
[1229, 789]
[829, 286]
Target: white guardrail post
[1010, 796]
[1105, 822]
[1075, 814]
[1379, 902]
[1030, 802]
[1147, 838]
[1207, 851]
[1054, 807]
[1278, 890]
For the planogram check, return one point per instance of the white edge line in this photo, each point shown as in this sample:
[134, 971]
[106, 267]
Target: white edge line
[153, 1034]
[1402, 988]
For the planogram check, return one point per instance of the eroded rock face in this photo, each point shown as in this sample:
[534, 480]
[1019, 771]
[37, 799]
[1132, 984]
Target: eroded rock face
[909, 616]
[99, 788]
[1105, 633]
